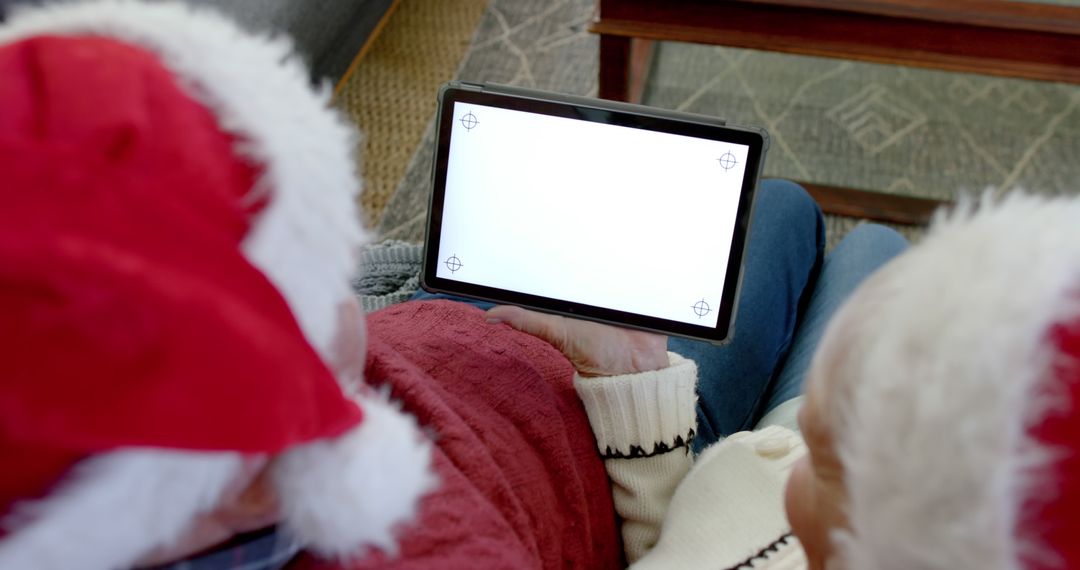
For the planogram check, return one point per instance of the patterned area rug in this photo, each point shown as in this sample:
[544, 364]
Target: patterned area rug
[519, 42]
[882, 127]
[876, 127]
[391, 96]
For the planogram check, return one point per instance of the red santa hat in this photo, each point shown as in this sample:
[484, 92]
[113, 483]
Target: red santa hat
[958, 412]
[177, 237]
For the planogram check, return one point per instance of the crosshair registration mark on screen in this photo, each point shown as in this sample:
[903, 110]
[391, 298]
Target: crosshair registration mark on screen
[701, 308]
[727, 161]
[453, 263]
[469, 121]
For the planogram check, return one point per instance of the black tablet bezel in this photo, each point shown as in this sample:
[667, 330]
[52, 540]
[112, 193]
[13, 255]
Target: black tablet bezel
[603, 112]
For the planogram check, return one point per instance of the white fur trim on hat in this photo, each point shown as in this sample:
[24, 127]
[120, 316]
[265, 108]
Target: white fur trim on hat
[160, 493]
[942, 351]
[343, 496]
[306, 240]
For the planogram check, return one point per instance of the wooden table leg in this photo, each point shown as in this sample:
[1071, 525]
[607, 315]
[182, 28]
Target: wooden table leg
[641, 55]
[624, 67]
[614, 67]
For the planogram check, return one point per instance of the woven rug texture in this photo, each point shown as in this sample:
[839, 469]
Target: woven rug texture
[518, 42]
[391, 95]
[876, 127]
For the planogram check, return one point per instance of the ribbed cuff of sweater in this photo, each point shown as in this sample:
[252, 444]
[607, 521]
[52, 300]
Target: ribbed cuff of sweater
[644, 414]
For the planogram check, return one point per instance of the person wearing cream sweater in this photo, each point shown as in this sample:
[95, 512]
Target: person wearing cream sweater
[698, 440]
[938, 428]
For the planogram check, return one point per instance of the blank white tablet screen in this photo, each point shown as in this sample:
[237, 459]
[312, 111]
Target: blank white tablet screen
[611, 216]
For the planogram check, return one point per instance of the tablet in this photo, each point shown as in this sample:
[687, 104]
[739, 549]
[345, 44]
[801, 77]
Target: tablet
[599, 210]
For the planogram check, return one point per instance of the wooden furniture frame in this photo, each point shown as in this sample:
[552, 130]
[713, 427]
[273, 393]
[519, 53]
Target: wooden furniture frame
[996, 37]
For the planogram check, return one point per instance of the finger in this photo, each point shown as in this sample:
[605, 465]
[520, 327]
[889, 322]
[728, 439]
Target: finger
[551, 328]
[504, 314]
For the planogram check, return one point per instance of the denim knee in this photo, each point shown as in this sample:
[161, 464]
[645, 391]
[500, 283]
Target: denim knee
[786, 209]
[881, 240]
[788, 205]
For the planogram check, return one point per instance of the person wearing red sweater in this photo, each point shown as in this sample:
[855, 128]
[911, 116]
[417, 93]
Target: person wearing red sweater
[186, 376]
[188, 381]
[186, 373]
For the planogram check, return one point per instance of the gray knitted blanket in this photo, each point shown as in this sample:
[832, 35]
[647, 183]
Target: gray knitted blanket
[389, 273]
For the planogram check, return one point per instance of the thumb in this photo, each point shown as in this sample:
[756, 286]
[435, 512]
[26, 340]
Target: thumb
[551, 328]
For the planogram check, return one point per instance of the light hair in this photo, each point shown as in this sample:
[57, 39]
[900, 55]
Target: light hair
[930, 370]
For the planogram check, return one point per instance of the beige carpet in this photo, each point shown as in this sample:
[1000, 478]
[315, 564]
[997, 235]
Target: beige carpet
[391, 93]
[543, 45]
[886, 128]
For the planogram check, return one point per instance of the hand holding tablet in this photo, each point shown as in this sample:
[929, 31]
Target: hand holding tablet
[594, 349]
[611, 212]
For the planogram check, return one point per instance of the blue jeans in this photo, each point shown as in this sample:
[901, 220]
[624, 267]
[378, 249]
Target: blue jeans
[789, 292]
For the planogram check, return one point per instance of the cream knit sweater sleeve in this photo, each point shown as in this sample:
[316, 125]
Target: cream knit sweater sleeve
[724, 512]
[729, 510]
[643, 425]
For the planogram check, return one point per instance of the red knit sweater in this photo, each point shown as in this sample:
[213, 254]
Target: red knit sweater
[521, 483]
